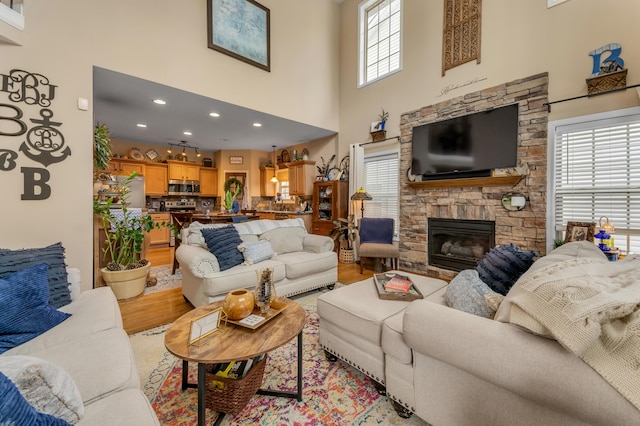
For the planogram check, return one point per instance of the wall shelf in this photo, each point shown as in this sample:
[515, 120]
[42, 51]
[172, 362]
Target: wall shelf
[468, 182]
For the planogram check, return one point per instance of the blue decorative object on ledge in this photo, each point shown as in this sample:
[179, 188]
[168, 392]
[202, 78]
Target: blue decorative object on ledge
[603, 236]
[236, 206]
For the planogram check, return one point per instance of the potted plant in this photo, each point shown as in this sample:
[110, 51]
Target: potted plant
[384, 116]
[124, 230]
[232, 188]
[346, 232]
[324, 169]
[101, 155]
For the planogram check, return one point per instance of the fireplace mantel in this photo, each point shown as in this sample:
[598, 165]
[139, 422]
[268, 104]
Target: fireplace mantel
[468, 182]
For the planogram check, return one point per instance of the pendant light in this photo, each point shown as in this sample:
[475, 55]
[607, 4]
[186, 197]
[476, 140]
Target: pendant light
[274, 179]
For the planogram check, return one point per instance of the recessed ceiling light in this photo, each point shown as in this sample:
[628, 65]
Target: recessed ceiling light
[159, 101]
[141, 125]
[187, 133]
[214, 114]
[257, 125]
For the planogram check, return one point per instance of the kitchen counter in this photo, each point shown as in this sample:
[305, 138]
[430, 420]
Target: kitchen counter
[283, 211]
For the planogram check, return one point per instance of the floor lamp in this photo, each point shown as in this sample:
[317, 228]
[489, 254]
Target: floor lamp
[362, 196]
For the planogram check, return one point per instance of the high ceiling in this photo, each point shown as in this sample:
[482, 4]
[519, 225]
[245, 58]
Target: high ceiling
[121, 102]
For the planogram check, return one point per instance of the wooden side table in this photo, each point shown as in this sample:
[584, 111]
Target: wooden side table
[233, 342]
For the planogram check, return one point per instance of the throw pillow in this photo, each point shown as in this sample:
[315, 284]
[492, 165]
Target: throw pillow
[17, 411]
[503, 265]
[223, 243]
[24, 309]
[256, 252]
[47, 387]
[285, 240]
[14, 260]
[467, 292]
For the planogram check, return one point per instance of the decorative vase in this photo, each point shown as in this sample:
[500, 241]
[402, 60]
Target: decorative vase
[238, 304]
[265, 290]
[127, 283]
[236, 206]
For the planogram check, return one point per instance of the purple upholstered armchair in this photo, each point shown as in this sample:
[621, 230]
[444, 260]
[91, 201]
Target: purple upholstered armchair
[376, 241]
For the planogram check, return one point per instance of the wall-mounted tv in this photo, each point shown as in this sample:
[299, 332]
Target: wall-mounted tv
[466, 146]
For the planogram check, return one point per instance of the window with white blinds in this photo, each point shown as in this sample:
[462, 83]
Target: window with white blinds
[380, 25]
[596, 173]
[381, 180]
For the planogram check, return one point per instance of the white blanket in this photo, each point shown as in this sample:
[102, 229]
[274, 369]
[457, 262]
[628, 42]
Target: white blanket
[592, 308]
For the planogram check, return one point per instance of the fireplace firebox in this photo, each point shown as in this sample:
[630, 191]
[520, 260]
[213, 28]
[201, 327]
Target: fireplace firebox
[456, 245]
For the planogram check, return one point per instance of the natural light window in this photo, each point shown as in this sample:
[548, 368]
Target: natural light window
[596, 172]
[11, 12]
[380, 39]
[381, 180]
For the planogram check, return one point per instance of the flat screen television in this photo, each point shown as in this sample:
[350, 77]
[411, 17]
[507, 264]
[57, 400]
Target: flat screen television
[466, 146]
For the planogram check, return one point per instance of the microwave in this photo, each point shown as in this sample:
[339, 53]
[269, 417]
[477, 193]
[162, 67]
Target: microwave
[184, 187]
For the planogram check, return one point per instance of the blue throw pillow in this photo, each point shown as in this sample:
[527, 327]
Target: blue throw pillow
[255, 252]
[503, 265]
[14, 260]
[223, 243]
[467, 292]
[17, 411]
[24, 309]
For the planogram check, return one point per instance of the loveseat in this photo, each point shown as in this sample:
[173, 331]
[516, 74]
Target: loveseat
[301, 261]
[82, 369]
[452, 367]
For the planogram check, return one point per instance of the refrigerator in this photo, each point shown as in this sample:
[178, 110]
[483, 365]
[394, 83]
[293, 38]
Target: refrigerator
[136, 196]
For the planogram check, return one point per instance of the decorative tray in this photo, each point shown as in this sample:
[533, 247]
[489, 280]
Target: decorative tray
[257, 319]
[381, 279]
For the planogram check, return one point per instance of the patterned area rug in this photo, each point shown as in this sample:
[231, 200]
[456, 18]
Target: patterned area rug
[166, 281]
[334, 393]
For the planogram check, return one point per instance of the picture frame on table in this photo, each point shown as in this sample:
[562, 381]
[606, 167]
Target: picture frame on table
[319, 178]
[235, 159]
[204, 326]
[240, 29]
[580, 231]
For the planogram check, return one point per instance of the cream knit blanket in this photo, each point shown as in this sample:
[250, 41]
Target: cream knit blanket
[591, 307]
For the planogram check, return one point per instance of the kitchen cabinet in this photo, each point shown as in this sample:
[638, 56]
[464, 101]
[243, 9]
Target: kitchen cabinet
[208, 182]
[124, 166]
[330, 202]
[160, 236]
[180, 170]
[267, 215]
[267, 188]
[156, 179]
[301, 174]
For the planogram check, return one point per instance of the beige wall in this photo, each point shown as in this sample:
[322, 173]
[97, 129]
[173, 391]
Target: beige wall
[519, 38]
[166, 42]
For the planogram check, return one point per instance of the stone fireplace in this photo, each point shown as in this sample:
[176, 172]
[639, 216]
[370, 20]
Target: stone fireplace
[478, 199]
[456, 245]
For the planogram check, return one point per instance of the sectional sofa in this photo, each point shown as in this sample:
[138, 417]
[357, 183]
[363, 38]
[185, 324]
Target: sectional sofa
[301, 261]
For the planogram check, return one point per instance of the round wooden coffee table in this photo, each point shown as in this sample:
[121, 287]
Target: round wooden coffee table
[234, 342]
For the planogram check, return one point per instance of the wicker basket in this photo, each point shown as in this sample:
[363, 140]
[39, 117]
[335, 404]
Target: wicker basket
[346, 255]
[236, 393]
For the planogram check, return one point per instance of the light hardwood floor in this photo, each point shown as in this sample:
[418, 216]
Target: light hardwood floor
[150, 310]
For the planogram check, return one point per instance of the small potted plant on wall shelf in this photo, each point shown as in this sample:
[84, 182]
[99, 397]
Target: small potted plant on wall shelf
[384, 116]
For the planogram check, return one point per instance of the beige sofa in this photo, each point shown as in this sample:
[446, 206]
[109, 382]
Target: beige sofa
[311, 264]
[450, 367]
[93, 349]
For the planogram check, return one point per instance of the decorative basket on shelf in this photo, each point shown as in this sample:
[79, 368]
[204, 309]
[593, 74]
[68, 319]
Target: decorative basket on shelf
[232, 397]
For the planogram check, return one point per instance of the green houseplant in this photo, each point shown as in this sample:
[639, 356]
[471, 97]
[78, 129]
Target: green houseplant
[232, 188]
[346, 232]
[124, 231]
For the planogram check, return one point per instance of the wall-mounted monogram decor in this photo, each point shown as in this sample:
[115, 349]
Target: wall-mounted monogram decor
[43, 143]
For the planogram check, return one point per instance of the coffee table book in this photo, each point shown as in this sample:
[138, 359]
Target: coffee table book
[381, 279]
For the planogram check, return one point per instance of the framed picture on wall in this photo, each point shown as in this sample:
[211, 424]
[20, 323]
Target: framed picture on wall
[580, 231]
[235, 159]
[240, 29]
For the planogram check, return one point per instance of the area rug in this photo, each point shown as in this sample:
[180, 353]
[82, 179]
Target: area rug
[334, 393]
[165, 280]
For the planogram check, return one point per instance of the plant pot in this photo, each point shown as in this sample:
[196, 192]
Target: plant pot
[128, 283]
[346, 255]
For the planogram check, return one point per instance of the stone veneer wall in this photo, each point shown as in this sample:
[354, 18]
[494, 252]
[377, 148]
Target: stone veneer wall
[525, 228]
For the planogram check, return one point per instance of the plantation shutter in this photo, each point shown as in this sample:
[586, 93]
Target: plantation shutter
[381, 180]
[596, 174]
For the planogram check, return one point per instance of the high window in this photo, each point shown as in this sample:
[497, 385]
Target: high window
[379, 38]
[596, 172]
[381, 180]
